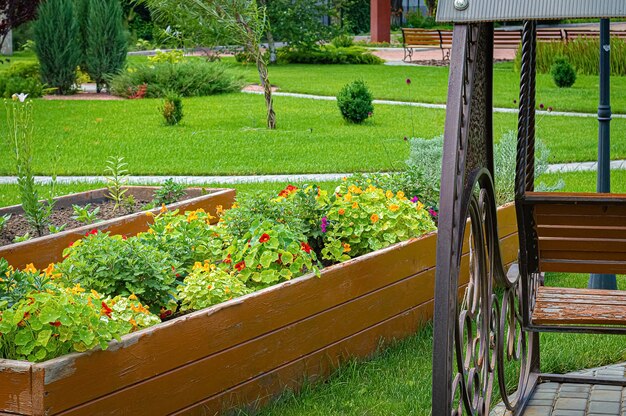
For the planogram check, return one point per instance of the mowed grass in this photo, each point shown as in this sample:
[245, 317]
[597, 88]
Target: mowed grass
[226, 135]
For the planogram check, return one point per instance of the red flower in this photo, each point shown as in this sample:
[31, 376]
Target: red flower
[92, 232]
[228, 259]
[106, 310]
[305, 247]
[264, 238]
[288, 190]
[240, 266]
[164, 313]
[56, 324]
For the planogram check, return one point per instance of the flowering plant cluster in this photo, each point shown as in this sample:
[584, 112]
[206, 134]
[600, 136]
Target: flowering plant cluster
[363, 220]
[108, 286]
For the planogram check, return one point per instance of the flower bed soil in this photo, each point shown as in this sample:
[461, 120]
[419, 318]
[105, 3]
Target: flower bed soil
[244, 352]
[42, 251]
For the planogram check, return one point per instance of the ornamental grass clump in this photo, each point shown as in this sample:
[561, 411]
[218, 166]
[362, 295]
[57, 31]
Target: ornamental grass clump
[364, 220]
[207, 285]
[355, 102]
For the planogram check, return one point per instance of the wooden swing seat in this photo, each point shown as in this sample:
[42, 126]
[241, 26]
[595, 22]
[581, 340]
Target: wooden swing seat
[578, 233]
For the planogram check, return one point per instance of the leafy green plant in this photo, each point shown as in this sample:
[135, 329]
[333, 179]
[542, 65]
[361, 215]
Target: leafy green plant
[56, 44]
[169, 193]
[16, 284]
[190, 78]
[172, 109]
[329, 54]
[4, 220]
[116, 175]
[342, 41]
[84, 215]
[173, 57]
[47, 324]
[364, 220]
[20, 141]
[563, 73]
[207, 285]
[268, 254]
[188, 238]
[114, 266]
[53, 229]
[355, 102]
[104, 40]
[22, 238]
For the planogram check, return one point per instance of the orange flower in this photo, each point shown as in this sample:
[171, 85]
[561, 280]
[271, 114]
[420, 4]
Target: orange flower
[394, 207]
[132, 297]
[163, 209]
[374, 218]
[346, 248]
[341, 211]
[30, 268]
[348, 197]
[389, 194]
[240, 266]
[355, 205]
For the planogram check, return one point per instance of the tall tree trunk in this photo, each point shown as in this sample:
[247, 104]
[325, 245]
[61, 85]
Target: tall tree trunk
[261, 66]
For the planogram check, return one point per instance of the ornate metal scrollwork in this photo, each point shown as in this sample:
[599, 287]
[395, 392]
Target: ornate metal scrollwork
[481, 335]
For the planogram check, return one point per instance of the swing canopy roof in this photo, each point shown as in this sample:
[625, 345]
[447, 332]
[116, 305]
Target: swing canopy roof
[501, 10]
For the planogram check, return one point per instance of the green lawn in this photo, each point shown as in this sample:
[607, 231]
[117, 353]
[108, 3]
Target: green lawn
[225, 134]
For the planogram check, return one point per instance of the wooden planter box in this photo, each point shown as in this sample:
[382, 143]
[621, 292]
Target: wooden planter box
[42, 251]
[248, 350]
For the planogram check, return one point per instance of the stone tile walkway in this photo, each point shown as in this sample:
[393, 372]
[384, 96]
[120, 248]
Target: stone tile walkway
[569, 399]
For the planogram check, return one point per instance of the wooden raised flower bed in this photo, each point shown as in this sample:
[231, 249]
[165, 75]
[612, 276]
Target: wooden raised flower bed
[248, 350]
[42, 251]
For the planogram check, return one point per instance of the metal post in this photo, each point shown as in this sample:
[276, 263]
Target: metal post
[604, 281]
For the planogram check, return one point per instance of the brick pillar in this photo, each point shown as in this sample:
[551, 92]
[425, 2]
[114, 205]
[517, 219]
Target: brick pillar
[380, 20]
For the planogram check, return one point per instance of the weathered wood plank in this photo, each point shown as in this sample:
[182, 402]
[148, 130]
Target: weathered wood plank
[579, 306]
[582, 245]
[16, 395]
[582, 266]
[195, 382]
[582, 231]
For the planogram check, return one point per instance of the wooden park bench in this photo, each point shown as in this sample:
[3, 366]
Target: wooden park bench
[426, 38]
[571, 34]
[578, 233]
[550, 34]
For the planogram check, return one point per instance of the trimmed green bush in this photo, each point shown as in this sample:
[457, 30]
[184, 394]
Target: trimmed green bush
[56, 44]
[191, 78]
[104, 43]
[563, 73]
[22, 77]
[172, 109]
[355, 102]
[328, 54]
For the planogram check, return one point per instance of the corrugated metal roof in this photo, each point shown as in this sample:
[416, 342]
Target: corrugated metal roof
[499, 10]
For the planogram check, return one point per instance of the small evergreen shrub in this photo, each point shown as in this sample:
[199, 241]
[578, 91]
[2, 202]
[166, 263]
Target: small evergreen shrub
[563, 73]
[172, 109]
[355, 102]
[192, 78]
[22, 77]
[104, 43]
[328, 54]
[56, 44]
[343, 41]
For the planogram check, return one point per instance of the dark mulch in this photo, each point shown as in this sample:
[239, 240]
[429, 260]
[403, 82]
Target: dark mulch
[18, 226]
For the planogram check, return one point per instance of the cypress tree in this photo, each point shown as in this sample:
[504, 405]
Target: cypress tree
[56, 44]
[104, 40]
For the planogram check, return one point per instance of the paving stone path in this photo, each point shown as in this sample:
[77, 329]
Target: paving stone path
[569, 399]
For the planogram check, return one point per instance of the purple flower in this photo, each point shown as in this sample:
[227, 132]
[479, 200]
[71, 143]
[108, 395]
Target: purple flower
[415, 199]
[550, 109]
[541, 106]
[406, 139]
[408, 81]
[370, 114]
[514, 101]
[324, 224]
[432, 212]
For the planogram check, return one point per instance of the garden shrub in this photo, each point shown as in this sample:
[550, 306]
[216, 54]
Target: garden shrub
[188, 238]
[104, 42]
[16, 284]
[355, 102]
[18, 85]
[563, 73]
[112, 265]
[207, 285]
[56, 44]
[173, 57]
[363, 220]
[172, 109]
[269, 253]
[328, 54]
[188, 78]
[343, 41]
